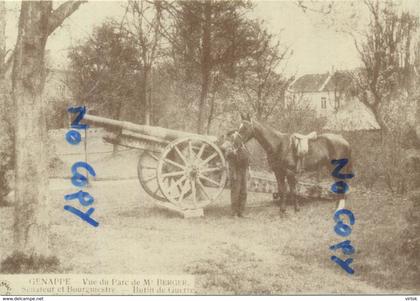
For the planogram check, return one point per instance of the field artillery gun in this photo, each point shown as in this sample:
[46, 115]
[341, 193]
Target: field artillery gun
[185, 171]
[179, 170]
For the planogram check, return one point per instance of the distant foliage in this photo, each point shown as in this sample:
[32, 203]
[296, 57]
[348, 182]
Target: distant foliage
[203, 53]
[296, 118]
[391, 158]
[367, 163]
[386, 52]
[400, 170]
[106, 71]
[260, 87]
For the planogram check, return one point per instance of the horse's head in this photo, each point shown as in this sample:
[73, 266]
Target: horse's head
[230, 143]
[246, 129]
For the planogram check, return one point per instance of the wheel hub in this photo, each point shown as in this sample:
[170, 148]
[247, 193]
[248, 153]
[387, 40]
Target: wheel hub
[186, 162]
[193, 171]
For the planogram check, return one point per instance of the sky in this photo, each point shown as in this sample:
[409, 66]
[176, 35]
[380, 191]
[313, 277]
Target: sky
[316, 47]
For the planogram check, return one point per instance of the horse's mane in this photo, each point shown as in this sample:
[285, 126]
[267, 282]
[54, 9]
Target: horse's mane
[270, 128]
[270, 138]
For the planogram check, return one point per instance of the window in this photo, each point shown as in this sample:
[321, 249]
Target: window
[337, 103]
[323, 102]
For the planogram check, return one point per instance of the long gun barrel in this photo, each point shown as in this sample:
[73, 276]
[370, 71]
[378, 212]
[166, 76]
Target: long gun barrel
[147, 132]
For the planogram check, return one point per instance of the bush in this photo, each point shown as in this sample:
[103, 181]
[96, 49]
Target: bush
[399, 116]
[19, 263]
[411, 235]
[399, 173]
[366, 162]
[384, 160]
[297, 118]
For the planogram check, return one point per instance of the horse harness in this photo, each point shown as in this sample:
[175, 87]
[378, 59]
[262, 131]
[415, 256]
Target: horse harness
[298, 145]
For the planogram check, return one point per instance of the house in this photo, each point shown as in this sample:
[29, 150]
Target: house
[331, 95]
[324, 93]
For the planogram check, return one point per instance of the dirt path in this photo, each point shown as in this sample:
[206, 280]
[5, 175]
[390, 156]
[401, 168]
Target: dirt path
[260, 254]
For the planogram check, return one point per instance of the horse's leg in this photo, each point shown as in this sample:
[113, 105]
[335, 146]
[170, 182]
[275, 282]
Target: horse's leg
[281, 187]
[291, 180]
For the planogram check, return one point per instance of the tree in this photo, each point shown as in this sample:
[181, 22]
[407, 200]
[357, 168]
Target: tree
[114, 66]
[37, 22]
[143, 25]
[2, 38]
[385, 46]
[208, 38]
[385, 51]
[106, 68]
[6, 157]
[297, 116]
[259, 81]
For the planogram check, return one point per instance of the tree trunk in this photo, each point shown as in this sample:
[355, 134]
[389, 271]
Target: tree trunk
[118, 116]
[211, 113]
[31, 210]
[380, 121]
[3, 88]
[205, 65]
[2, 39]
[36, 22]
[5, 147]
[144, 96]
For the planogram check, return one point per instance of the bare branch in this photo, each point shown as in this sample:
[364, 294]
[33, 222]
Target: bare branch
[303, 5]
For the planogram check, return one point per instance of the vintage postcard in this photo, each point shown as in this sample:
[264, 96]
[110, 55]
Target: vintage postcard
[210, 147]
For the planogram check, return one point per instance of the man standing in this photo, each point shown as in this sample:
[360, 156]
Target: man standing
[238, 159]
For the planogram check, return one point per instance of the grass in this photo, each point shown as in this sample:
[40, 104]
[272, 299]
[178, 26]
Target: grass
[383, 259]
[264, 254]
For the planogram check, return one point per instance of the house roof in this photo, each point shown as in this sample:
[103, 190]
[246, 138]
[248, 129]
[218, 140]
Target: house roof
[321, 82]
[309, 82]
[355, 116]
[340, 80]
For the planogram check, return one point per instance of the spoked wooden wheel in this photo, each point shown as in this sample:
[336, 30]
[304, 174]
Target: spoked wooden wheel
[146, 170]
[191, 172]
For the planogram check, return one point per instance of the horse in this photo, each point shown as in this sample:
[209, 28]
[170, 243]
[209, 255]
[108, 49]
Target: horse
[283, 155]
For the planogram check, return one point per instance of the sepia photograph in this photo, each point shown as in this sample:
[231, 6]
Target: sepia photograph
[210, 147]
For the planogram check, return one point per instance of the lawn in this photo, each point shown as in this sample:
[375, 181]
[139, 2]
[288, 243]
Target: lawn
[264, 253]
